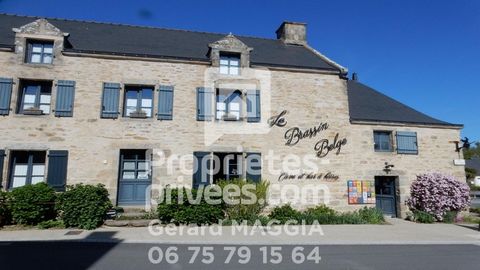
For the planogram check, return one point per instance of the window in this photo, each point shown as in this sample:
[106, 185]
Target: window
[229, 167]
[229, 64]
[383, 141]
[229, 105]
[138, 102]
[134, 165]
[27, 168]
[211, 167]
[35, 97]
[407, 143]
[40, 52]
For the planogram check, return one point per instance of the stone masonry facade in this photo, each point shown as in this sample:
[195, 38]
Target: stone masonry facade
[309, 97]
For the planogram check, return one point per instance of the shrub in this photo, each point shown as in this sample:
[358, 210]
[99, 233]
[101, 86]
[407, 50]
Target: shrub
[244, 211]
[181, 211]
[470, 173]
[437, 194]
[371, 215]
[475, 210]
[4, 210]
[84, 206]
[321, 214]
[423, 217]
[450, 217]
[51, 224]
[285, 213]
[32, 204]
[350, 218]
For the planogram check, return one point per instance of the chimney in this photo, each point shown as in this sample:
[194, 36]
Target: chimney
[292, 33]
[354, 76]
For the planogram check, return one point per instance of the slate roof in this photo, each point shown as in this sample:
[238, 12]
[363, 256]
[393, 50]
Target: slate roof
[367, 104]
[94, 37]
[473, 163]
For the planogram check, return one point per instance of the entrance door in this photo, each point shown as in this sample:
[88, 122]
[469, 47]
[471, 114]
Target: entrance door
[385, 192]
[134, 178]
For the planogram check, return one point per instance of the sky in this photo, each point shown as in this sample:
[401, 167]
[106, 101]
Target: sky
[425, 54]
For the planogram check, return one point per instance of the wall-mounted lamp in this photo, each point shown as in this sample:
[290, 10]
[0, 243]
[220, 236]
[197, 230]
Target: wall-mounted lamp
[465, 144]
[388, 167]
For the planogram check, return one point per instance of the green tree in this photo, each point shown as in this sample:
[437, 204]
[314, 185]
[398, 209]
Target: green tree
[471, 173]
[474, 151]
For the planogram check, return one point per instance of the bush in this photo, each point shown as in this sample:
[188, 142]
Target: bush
[285, 213]
[475, 210]
[51, 224]
[371, 215]
[350, 218]
[450, 217]
[84, 206]
[321, 214]
[423, 217]
[32, 204]
[437, 194]
[244, 211]
[4, 210]
[183, 212]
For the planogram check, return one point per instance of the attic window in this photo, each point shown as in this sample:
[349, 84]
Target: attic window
[40, 52]
[229, 63]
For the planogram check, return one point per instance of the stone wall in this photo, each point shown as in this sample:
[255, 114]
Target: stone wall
[310, 99]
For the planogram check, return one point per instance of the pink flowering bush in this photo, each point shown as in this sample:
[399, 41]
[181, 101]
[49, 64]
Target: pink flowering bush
[436, 194]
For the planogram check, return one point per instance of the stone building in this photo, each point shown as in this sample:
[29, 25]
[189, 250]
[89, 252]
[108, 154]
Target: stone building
[137, 107]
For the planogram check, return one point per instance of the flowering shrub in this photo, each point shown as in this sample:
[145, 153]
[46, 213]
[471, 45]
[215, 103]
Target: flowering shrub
[436, 194]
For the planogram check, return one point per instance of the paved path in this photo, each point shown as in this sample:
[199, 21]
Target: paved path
[400, 232]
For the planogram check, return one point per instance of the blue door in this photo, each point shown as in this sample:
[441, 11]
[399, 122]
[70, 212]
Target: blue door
[385, 192]
[134, 178]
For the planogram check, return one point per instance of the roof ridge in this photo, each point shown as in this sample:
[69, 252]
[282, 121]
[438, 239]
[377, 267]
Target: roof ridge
[132, 25]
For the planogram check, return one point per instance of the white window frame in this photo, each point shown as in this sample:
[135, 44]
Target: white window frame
[229, 64]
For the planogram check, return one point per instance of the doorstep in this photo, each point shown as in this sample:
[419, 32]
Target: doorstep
[130, 223]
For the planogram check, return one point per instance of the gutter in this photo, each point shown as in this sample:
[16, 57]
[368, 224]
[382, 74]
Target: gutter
[406, 124]
[156, 58]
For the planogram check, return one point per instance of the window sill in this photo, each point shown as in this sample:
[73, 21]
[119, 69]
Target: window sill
[32, 112]
[136, 119]
[385, 152]
[39, 65]
[137, 116]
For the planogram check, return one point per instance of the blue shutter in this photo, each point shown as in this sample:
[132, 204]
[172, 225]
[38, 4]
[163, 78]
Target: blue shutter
[254, 167]
[165, 102]
[407, 142]
[201, 169]
[204, 104]
[57, 169]
[253, 106]
[5, 95]
[2, 159]
[110, 100]
[65, 98]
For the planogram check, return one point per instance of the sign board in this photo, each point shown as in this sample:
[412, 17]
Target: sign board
[459, 162]
[361, 192]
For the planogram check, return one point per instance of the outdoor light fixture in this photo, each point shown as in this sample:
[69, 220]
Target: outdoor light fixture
[388, 167]
[465, 144]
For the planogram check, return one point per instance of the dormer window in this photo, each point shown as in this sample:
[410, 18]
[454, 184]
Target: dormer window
[40, 52]
[229, 64]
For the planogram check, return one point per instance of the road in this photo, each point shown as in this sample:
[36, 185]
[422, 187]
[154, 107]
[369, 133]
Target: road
[91, 255]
